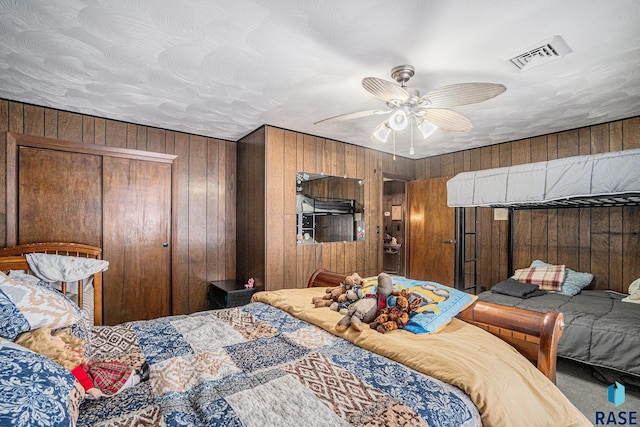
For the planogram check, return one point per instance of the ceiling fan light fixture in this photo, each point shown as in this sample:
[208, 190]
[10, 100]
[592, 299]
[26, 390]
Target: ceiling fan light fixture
[399, 120]
[427, 128]
[381, 133]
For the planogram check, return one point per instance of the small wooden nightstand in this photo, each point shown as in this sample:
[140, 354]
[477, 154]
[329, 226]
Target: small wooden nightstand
[229, 293]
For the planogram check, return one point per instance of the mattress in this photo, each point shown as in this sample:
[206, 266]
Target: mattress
[600, 329]
[603, 179]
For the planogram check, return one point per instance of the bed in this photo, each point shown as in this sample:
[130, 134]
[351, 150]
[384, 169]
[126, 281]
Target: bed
[324, 205]
[600, 329]
[278, 361]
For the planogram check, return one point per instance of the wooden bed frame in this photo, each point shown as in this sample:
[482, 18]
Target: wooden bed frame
[13, 258]
[535, 335]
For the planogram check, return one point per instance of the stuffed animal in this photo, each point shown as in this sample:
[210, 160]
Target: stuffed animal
[337, 293]
[365, 309]
[396, 316]
[353, 295]
[98, 378]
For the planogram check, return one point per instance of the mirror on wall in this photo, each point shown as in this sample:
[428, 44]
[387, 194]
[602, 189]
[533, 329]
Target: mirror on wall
[328, 208]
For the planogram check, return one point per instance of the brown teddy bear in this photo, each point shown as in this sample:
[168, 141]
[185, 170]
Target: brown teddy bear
[364, 310]
[337, 293]
[396, 316]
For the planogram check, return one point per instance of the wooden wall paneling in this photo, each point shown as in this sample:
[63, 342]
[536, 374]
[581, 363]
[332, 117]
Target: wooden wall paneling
[616, 247]
[523, 233]
[360, 166]
[4, 127]
[16, 117]
[275, 189]
[504, 159]
[33, 120]
[290, 218]
[180, 290]
[568, 143]
[131, 136]
[215, 230]
[310, 156]
[539, 222]
[446, 165]
[250, 215]
[88, 129]
[631, 133]
[100, 135]
[599, 248]
[584, 140]
[228, 181]
[50, 123]
[615, 136]
[197, 221]
[569, 238]
[69, 126]
[116, 134]
[485, 227]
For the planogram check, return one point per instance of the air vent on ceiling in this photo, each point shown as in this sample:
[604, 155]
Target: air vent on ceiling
[541, 53]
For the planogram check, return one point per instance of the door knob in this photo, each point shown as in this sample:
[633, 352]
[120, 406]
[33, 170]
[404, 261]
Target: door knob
[165, 244]
[449, 242]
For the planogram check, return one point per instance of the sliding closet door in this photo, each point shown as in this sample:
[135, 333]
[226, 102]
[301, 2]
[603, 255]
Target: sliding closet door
[137, 238]
[118, 199]
[60, 196]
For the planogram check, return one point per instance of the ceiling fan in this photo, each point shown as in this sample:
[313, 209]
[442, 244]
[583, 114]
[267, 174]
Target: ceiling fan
[429, 112]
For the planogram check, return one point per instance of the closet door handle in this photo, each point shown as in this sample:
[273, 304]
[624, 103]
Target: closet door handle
[165, 244]
[450, 242]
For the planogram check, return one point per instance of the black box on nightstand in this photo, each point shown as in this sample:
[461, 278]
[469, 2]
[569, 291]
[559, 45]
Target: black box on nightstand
[229, 293]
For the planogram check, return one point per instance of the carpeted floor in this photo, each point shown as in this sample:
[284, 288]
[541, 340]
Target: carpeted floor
[589, 395]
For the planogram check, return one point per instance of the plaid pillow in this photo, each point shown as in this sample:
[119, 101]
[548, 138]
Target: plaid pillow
[547, 278]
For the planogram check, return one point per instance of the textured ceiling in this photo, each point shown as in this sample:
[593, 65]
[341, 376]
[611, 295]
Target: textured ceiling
[223, 68]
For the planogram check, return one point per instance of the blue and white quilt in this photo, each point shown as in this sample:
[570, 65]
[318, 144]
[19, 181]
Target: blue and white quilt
[257, 365]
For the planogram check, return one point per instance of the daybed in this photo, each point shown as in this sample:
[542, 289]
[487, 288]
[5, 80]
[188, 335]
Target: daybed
[600, 330]
[278, 361]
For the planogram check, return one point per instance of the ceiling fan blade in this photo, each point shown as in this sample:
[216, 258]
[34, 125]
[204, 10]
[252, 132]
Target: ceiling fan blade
[447, 120]
[462, 94]
[385, 90]
[354, 115]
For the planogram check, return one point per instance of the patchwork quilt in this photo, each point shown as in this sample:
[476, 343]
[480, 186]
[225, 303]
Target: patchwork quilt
[257, 365]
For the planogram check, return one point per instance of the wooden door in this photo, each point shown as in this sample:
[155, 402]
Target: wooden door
[60, 196]
[431, 232]
[137, 237]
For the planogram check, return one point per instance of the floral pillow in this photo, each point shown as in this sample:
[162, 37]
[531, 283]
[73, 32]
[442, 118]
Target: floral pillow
[35, 389]
[26, 306]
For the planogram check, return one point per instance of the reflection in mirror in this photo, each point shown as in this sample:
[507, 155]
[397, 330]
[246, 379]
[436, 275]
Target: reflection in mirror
[328, 208]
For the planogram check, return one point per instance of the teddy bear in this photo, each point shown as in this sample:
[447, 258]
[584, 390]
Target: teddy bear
[364, 310]
[396, 316]
[337, 293]
[353, 295]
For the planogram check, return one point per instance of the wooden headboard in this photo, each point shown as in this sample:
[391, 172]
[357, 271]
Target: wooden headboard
[535, 335]
[13, 258]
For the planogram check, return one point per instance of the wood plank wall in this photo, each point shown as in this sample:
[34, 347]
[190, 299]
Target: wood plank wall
[206, 197]
[286, 264]
[603, 241]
